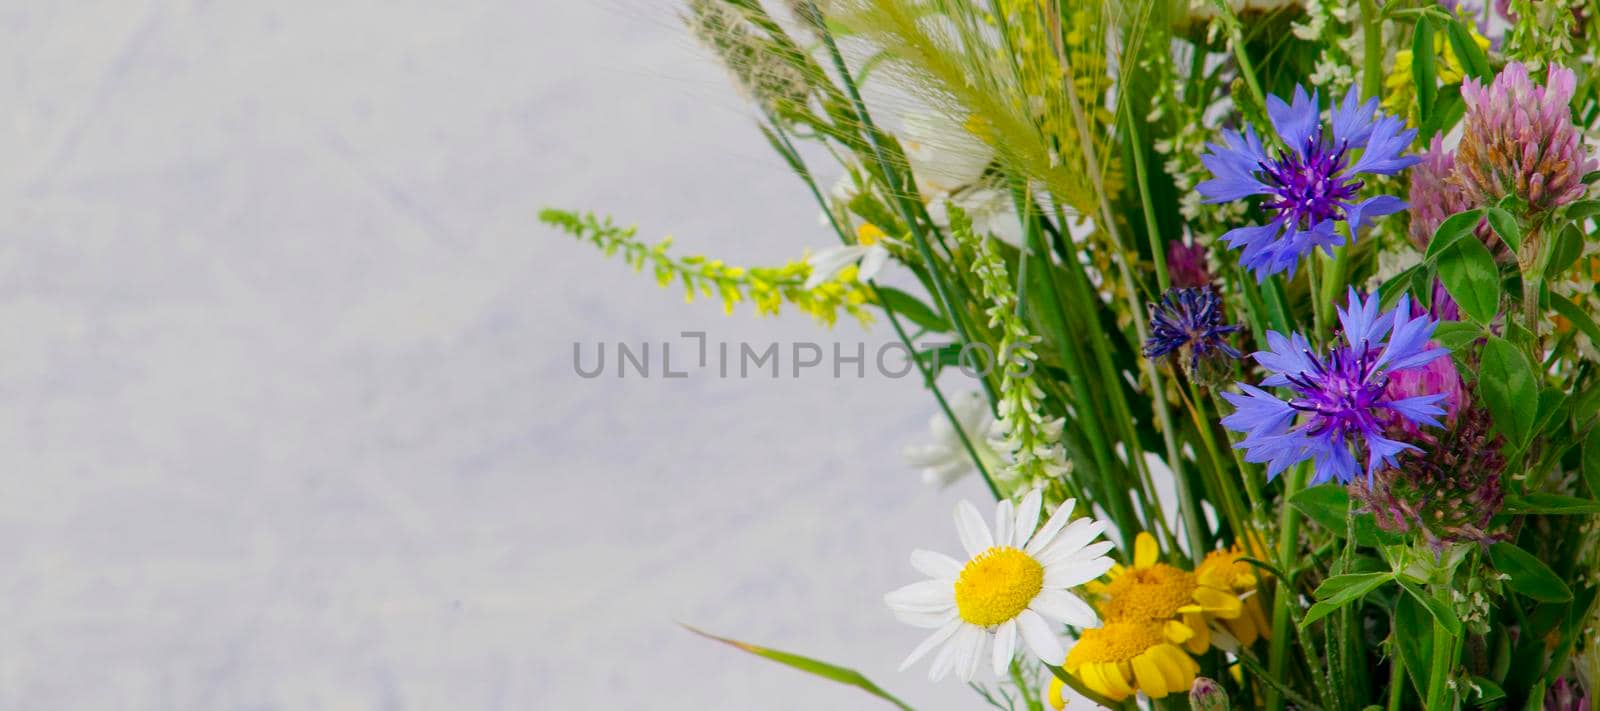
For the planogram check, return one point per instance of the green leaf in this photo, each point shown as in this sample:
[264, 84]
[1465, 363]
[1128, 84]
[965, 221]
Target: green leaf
[1564, 251]
[1341, 590]
[1579, 317]
[1327, 505]
[1473, 60]
[1529, 575]
[1438, 609]
[1457, 335]
[1454, 228]
[913, 309]
[1591, 461]
[1413, 634]
[849, 677]
[1505, 224]
[1591, 176]
[1508, 387]
[1550, 504]
[1422, 72]
[1488, 692]
[1470, 275]
[1583, 209]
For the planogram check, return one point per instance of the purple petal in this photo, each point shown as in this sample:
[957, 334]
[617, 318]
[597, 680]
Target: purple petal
[1295, 123]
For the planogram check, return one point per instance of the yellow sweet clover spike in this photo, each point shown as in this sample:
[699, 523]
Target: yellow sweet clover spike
[768, 288]
[1399, 91]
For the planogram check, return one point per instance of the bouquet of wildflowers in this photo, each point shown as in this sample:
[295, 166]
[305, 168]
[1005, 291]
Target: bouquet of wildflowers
[1324, 269]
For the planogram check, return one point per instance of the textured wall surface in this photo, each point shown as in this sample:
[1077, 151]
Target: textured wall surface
[289, 418]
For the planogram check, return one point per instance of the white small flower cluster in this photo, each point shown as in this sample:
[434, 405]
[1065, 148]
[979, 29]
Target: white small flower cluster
[1032, 439]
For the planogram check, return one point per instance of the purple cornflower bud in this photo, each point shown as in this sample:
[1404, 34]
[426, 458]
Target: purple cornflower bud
[1189, 322]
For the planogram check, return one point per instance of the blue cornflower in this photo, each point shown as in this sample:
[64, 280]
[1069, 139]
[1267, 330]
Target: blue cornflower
[1311, 184]
[1189, 320]
[1339, 401]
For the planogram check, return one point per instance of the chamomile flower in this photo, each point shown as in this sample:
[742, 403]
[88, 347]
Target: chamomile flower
[1150, 590]
[1125, 657]
[944, 459]
[1224, 570]
[868, 251]
[1015, 583]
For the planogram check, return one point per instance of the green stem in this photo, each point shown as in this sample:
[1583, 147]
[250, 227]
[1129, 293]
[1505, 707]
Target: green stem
[1443, 657]
[1372, 50]
[1288, 537]
[1247, 69]
[1397, 680]
[902, 202]
[798, 162]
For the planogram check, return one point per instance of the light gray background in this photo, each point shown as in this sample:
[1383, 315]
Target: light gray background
[287, 409]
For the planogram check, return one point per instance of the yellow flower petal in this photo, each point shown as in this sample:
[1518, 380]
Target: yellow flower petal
[1145, 550]
[1221, 604]
[1151, 681]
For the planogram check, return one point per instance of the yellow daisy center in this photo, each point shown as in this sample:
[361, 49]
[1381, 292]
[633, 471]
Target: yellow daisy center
[997, 585]
[1154, 592]
[1114, 642]
[868, 234]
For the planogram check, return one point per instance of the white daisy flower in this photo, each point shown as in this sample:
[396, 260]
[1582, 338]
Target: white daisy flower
[943, 154]
[868, 250]
[1016, 582]
[943, 459]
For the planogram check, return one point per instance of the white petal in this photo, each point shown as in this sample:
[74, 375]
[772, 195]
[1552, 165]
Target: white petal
[1047, 534]
[1072, 573]
[1027, 517]
[926, 596]
[1040, 637]
[927, 645]
[947, 654]
[1004, 517]
[935, 565]
[1064, 607]
[926, 620]
[973, 661]
[1005, 646]
[1065, 554]
[828, 261]
[1076, 536]
[872, 262]
[973, 531]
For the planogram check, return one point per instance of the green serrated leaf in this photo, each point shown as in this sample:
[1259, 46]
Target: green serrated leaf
[849, 677]
[1528, 575]
[1507, 384]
